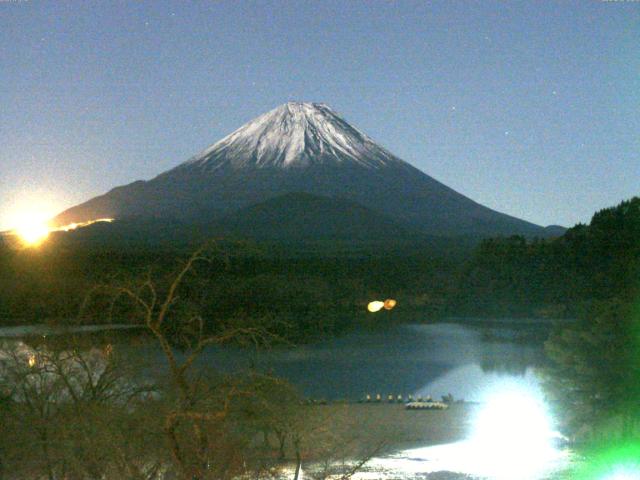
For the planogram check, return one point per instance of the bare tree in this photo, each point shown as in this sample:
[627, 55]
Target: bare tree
[330, 443]
[58, 399]
[89, 414]
[170, 320]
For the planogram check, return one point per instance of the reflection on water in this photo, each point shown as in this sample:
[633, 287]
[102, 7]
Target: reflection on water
[462, 458]
[435, 359]
[23, 331]
[432, 359]
[511, 436]
[468, 362]
[472, 383]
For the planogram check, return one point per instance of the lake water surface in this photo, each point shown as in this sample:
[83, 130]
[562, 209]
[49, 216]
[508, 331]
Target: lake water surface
[434, 359]
[468, 361]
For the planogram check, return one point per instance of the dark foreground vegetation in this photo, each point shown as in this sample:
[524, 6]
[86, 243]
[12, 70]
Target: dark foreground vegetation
[74, 411]
[321, 288]
[75, 408]
[82, 416]
[90, 414]
[80, 411]
[307, 291]
[560, 277]
[593, 377]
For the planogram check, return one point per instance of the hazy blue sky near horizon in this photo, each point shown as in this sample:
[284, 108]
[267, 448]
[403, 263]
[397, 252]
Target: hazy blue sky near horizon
[531, 108]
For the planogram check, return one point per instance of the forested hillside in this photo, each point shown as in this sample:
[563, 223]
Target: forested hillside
[558, 277]
[323, 287]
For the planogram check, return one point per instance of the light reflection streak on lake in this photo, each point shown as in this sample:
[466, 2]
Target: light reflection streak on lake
[461, 458]
[431, 359]
[512, 437]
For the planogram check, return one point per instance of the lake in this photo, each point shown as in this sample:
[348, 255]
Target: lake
[467, 359]
[435, 359]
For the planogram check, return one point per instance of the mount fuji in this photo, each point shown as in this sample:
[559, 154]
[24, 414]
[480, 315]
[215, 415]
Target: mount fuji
[299, 148]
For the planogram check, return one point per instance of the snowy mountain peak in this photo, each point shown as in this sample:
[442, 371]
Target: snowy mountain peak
[296, 149]
[295, 134]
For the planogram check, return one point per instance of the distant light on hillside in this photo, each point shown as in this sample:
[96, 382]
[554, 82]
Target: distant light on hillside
[73, 226]
[389, 303]
[375, 306]
[32, 229]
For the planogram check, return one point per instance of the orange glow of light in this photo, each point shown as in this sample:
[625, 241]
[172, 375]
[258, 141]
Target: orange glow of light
[389, 303]
[74, 226]
[32, 229]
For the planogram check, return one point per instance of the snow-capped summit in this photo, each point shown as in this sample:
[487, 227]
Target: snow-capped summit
[299, 148]
[295, 134]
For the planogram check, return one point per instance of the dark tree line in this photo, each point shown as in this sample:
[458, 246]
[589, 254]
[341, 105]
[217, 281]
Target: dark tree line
[73, 408]
[558, 277]
[594, 377]
[323, 291]
[310, 294]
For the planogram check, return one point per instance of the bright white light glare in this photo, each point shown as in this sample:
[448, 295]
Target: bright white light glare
[624, 473]
[375, 306]
[32, 228]
[513, 437]
[512, 416]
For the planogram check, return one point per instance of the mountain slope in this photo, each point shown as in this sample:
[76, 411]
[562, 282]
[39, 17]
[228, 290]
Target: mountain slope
[302, 216]
[300, 147]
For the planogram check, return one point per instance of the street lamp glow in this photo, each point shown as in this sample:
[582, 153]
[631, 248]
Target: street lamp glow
[375, 306]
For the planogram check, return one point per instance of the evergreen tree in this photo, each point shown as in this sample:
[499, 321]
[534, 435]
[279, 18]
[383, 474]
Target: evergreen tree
[593, 378]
